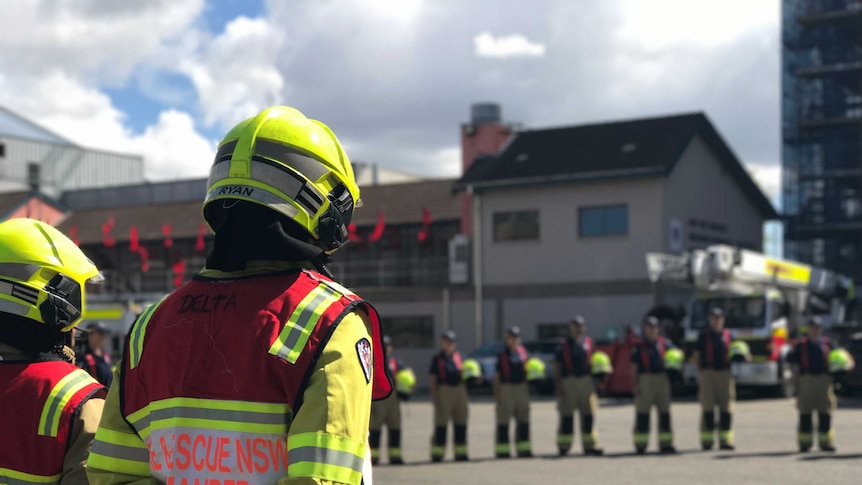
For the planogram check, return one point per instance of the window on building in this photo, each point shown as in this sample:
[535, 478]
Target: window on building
[33, 174]
[410, 332]
[516, 226]
[2, 150]
[603, 221]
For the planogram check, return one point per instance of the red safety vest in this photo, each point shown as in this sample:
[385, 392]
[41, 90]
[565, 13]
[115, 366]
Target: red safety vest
[645, 354]
[710, 358]
[505, 370]
[803, 354]
[441, 366]
[567, 354]
[215, 372]
[38, 401]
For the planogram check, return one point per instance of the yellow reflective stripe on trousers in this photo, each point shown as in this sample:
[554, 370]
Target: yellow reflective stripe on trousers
[119, 452]
[14, 477]
[325, 457]
[252, 417]
[302, 321]
[136, 342]
[49, 421]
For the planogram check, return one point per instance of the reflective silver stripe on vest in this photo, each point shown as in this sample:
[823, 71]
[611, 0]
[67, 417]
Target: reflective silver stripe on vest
[119, 451]
[325, 456]
[217, 415]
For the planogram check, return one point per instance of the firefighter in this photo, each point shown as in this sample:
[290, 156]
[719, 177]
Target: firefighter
[512, 396]
[49, 409]
[717, 388]
[575, 389]
[810, 362]
[651, 387]
[449, 395]
[388, 412]
[261, 349]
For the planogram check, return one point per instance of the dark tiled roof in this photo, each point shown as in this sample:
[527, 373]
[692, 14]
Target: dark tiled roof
[619, 149]
[401, 204]
[12, 200]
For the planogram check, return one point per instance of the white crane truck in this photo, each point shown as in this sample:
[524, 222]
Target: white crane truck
[765, 302]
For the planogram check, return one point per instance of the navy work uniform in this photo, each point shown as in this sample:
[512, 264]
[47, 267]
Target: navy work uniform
[815, 392]
[449, 395]
[717, 387]
[651, 388]
[512, 396]
[576, 390]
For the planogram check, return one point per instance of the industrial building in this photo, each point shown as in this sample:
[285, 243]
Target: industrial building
[822, 133]
[543, 224]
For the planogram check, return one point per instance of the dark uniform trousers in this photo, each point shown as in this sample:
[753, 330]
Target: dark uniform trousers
[386, 412]
[654, 391]
[514, 402]
[451, 405]
[815, 394]
[577, 393]
[717, 389]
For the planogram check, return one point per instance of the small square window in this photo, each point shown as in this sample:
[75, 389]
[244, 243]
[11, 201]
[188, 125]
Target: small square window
[603, 221]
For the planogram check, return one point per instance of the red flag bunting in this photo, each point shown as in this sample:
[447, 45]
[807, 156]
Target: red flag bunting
[351, 233]
[426, 226]
[73, 235]
[200, 244]
[166, 231]
[179, 272]
[145, 259]
[377, 233]
[133, 238]
[107, 239]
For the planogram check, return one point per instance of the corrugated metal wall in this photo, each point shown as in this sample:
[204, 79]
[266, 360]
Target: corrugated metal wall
[67, 167]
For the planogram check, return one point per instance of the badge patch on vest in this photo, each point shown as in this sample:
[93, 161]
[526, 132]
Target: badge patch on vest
[363, 350]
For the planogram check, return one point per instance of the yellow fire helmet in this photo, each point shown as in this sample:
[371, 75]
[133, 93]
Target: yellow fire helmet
[43, 274]
[291, 164]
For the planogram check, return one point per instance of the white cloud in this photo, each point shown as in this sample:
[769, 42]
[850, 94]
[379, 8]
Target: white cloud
[657, 25]
[768, 177]
[173, 148]
[486, 45]
[235, 74]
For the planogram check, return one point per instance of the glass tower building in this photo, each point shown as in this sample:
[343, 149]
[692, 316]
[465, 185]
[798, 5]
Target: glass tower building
[822, 133]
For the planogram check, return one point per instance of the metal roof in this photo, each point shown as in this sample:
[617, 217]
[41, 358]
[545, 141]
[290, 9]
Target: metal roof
[16, 126]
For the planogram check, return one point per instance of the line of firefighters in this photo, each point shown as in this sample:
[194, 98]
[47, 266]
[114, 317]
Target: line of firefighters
[579, 370]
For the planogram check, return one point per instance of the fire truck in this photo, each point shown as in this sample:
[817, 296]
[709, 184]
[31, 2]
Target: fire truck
[766, 302]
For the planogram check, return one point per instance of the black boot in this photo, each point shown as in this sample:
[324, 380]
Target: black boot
[374, 444]
[725, 431]
[438, 444]
[804, 433]
[665, 434]
[501, 447]
[707, 430]
[395, 447]
[523, 440]
[641, 432]
[824, 432]
[588, 436]
[461, 443]
[565, 434]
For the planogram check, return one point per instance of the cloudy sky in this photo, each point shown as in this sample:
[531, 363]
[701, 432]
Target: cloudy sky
[393, 78]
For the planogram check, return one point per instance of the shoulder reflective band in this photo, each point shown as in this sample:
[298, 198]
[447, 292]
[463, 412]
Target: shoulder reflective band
[13, 477]
[136, 343]
[325, 457]
[49, 422]
[119, 452]
[293, 337]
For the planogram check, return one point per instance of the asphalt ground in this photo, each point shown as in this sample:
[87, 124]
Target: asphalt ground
[766, 450]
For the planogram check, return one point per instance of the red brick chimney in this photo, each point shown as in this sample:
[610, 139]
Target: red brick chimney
[485, 134]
